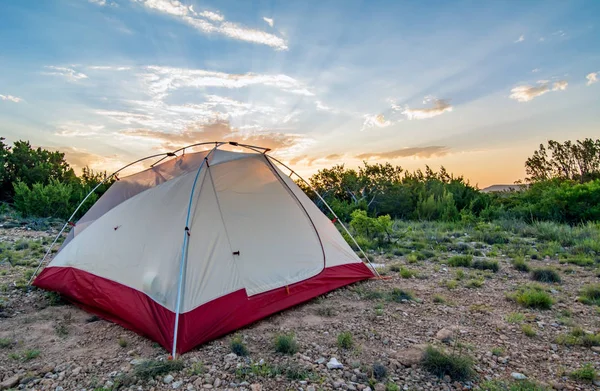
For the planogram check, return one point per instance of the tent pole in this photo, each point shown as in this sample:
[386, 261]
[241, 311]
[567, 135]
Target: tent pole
[332, 212]
[79, 207]
[184, 248]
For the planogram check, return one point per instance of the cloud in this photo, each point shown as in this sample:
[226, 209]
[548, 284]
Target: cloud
[418, 152]
[218, 131]
[161, 80]
[269, 21]
[535, 70]
[526, 93]
[592, 78]
[309, 160]
[78, 129]
[68, 73]
[108, 68]
[101, 3]
[323, 107]
[11, 98]
[214, 23]
[80, 158]
[520, 39]
[377, 120]
[440, 106]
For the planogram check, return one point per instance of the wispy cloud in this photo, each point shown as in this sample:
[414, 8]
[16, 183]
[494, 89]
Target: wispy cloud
[520, 39]
[101, 3]
[440, 106]
[217, 131]
[269, 21]
[418, 152]
[160, 80]
[108, 68]
[78, 129]
[535, 70]
[10, 98]
[68, 73]
[592, 78]
[377, 120]
[209, 22]
[526, 93]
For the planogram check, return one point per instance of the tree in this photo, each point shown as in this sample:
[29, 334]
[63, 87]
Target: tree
[579, 161]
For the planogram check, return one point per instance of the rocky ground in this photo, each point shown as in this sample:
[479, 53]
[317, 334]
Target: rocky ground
[48, 345]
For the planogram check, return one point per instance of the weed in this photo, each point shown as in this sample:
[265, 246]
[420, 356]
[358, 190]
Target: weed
[6, 343]
[398, 295]
[460, 275]
[521, 265]
[460, 260]
[474, 284]
[532, 296]
[197, 369]
[54, 298]
[578, 337]
[498, 351]
[379, 372]
[586, 373]
[407, 273]
[21, 244]
[528, 330]
[392, 387]
[486, 265]
[369, 294]
[296, 372]
[286, 343]
[149, 369]
[547, 275]
[457, 366]
[515, 317]
[122, 342]
[238, 347]
[344, 340]
[61, 329]
[451, 284]
[439, 299]
[590, 294]
[480, 308]
[325, 311]
[520, 385]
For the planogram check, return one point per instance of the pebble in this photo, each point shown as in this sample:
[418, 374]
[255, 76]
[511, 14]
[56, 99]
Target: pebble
[334, 364]
[518, 376]
[168, 379]
[177, 384]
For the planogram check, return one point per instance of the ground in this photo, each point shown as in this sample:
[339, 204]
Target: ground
[46, 344]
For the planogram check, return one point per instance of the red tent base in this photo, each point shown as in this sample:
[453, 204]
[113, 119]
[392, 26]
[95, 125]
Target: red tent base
[136, 311]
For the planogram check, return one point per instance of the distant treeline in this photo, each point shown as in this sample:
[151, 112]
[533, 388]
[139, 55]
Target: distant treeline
[563, 186]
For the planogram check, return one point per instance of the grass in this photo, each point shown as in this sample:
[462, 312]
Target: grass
[520, 385]
[515, 317]
[498, 351]
[578, 337]
[585, 373]
[398, 295]
[296, 372]
[6, 343]
[471, 284]
[286, 344]
[547, 275]
[149, 369]
[460, 260]
[486, 265]
[460, 275]
[122, 342]
[590, 294]
[528, 330]
[238, 347]
[532, 296]
[325, 311]
[451, 284]
[439, 363]
[439, 299]
[521, 265]
[407, 273]
[26, 355]
[344, 340]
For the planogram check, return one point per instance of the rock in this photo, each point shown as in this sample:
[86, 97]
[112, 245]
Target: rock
[558, 386]
[256, 387]
[217, 382]
[59, 388]
[321, 360]
[595, 349]
[410, 356]
[10, 382]
[518, 376]
[168, 379]
[379, 387]
[334, 364]
[76, 371]
[311, 388]
[177, 384]
[231, 357]
[444, 335]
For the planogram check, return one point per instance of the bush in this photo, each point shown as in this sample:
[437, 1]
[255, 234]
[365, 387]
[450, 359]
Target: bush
[528, 330]
[238, 347]
[532, 296]
[460, 260]
[474, 284]
[486, 265]
[586, 373]
[149, 369]
[379, 372]
[286, 344]
[590, 294]
[344, 340]
[398, 295]
[519, 385]
[407, 273]
[439, 363]
[521, 265]
[547, 275]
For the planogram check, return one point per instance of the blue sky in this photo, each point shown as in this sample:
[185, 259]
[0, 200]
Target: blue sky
[474, 86]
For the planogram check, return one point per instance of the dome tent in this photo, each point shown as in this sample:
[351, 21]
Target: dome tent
[200, 245]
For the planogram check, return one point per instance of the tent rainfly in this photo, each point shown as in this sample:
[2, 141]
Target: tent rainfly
[200, 245]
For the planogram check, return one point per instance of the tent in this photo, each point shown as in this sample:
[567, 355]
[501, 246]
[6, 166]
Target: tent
[198, 245]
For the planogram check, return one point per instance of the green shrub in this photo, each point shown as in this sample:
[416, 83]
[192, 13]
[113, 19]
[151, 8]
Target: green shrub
[238, 347]
[585, 373]
[528, 330]
[519, 385]
[486, 265]
[286, 343]
[398, 295]
[379, 372]
[460, 275]
[392, 387]
[460, 260]
[497, 351]
[296, 372]
[590, 294]
[149, 369]
[6, 343]
[344, 340]
[451, 284]
[532, 296]
[439, 363]
[439, 299]
[407, 273]
[471, 284]
[521, 265]
[515, 317]
[547, 275]
[396, 267]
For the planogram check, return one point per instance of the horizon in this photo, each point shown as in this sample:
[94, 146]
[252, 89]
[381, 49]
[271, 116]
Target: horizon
[474, 88]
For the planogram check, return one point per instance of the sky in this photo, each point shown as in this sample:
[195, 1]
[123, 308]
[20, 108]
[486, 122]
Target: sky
[473, 86]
